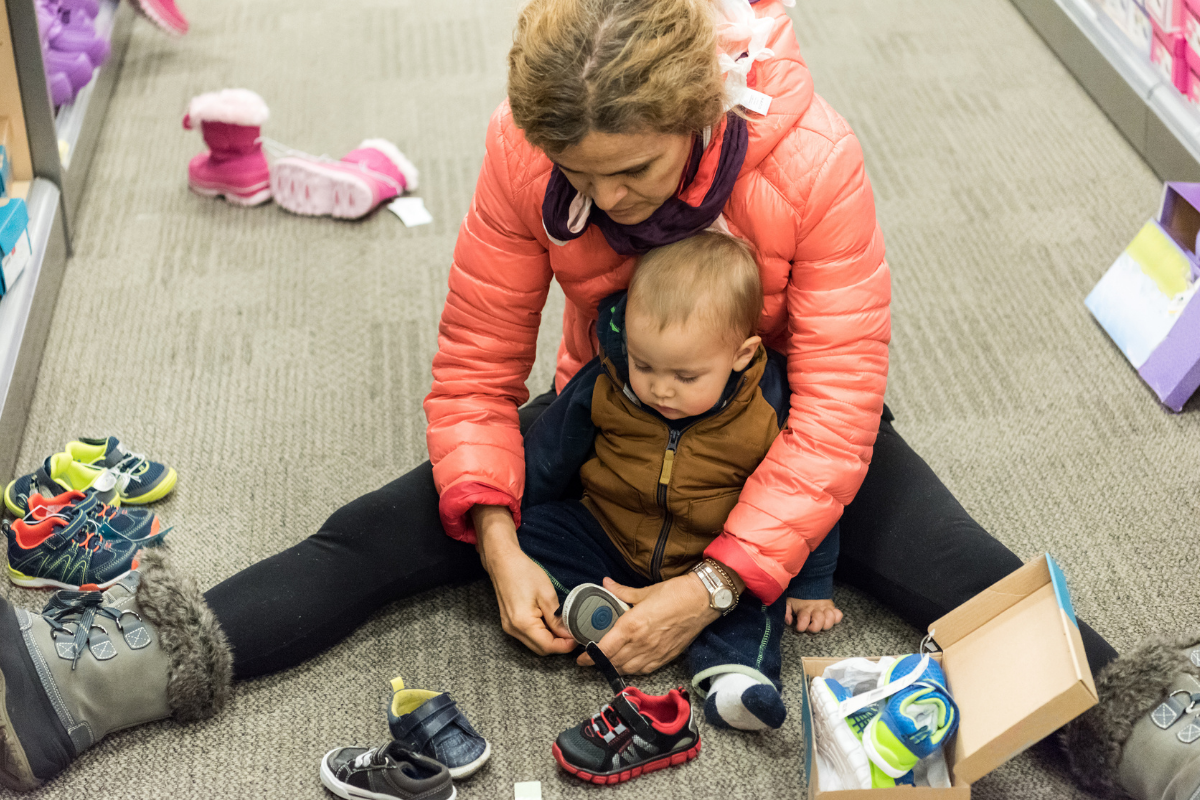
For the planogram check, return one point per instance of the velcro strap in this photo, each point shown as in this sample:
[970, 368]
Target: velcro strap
[427, 721]
[633, 718]
[606, 668]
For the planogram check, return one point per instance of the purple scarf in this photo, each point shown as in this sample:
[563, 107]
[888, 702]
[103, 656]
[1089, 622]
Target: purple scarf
[674, 219]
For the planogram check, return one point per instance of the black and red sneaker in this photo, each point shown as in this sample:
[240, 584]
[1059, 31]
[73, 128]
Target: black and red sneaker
[634, 734]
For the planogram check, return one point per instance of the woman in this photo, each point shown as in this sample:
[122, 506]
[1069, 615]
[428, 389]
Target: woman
[617, 137]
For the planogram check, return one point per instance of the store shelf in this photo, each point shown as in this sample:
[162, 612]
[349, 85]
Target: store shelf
[1151, 113]
[77, 124]
[25, 314]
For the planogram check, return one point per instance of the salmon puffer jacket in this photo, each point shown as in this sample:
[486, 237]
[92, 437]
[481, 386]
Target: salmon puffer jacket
[803, 200]
[661, 489]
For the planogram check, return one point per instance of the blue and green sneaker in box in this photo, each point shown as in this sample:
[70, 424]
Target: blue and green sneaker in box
[15, 247]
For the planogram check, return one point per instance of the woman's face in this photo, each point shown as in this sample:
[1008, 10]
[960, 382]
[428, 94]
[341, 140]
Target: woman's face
[627, 175]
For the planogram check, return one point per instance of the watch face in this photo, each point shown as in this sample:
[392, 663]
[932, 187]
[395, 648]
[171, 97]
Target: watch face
[722, 598]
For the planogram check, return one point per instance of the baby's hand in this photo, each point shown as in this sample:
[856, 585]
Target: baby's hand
[813, 616]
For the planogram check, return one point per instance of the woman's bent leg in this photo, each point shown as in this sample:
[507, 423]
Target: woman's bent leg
[909, 543]
[384, 546]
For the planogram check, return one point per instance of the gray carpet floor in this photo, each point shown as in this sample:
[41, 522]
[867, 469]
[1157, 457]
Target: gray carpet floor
[279, 362]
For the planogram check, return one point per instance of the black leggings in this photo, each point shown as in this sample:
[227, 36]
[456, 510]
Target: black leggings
[905, 541]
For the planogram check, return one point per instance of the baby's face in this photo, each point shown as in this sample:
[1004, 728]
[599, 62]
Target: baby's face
[681, 370]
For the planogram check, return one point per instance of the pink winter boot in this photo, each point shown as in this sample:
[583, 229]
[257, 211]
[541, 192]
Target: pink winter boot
[235, 166]
[350, 188]
[163, 13]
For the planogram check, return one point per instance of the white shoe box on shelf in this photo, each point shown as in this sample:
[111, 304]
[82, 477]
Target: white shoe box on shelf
[1014, 662]
[1133, 21]
[15, 247]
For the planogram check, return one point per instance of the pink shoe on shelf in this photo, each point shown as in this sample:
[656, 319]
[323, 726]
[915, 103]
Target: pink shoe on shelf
[163, 13]
[234, 167]
[347, 189]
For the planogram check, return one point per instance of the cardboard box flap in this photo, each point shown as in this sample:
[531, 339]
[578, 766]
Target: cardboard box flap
[1015, 663]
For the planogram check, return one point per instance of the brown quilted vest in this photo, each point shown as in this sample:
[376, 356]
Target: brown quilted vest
[663, 495]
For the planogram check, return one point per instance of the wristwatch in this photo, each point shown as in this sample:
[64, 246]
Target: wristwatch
[722, 594]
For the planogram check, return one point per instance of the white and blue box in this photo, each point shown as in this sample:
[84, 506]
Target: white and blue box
[15, 247]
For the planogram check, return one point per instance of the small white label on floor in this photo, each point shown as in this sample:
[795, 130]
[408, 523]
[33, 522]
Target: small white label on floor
[529, 790]
[411, 211]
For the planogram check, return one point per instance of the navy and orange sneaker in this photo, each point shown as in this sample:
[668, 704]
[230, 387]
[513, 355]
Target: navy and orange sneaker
[139, 525]
[632, 735]
[69, 548]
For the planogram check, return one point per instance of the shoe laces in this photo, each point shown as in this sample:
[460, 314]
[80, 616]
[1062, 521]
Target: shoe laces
[280, 150]
[128, 469]
[73, 613]
[90, 535]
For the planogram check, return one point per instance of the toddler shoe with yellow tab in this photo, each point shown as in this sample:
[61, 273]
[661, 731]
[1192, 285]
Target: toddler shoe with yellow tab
[429, 723]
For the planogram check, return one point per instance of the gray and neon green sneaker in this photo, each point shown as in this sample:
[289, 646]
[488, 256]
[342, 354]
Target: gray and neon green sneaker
[138, 479]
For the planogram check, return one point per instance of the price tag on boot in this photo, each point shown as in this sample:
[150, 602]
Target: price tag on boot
[411, 211]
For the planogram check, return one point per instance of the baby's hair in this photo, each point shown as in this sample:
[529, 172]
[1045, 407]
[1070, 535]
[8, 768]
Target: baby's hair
[711, 273]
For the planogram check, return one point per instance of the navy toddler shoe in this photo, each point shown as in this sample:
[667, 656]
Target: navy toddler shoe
[429, 723]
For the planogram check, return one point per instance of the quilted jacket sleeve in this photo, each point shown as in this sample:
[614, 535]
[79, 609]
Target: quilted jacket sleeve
[486, 344]
[839, 327]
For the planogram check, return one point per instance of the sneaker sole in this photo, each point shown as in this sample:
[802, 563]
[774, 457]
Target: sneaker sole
[160, 491]
[319, 189]
[836, 741]
[467, 770]
[349, 792]
[590, 611]
[11, 503]
[231, 195]
[30, 582]
[669, 760]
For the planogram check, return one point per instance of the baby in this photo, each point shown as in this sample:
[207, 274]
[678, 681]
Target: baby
[663, 429]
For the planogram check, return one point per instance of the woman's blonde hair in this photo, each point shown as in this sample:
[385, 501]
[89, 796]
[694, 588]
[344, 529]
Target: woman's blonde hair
[613, 66]
[711, 274]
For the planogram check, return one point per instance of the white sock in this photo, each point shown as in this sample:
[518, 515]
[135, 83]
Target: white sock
[727, 696]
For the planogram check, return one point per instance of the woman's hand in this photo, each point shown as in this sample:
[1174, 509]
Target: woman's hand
[523, 591]
[665, 618]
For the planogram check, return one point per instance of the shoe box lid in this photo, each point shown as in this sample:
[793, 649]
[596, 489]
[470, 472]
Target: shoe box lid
[1014, 661]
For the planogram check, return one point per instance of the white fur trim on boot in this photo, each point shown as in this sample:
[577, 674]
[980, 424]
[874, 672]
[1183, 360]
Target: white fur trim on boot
[394, 155]
[232, 106]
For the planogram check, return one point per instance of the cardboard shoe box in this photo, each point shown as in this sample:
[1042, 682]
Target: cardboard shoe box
[1144, 300]
[1014, 662]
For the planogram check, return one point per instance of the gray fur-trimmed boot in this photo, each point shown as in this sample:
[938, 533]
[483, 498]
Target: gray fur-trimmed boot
[146, 649]
[1143, 738]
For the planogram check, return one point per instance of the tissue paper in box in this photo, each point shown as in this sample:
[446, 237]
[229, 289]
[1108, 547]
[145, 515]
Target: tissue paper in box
[1144, 300]
[15, 249]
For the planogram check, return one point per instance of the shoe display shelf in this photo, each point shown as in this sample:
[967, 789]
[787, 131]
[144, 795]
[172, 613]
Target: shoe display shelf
[1156, 119]
[77, 124]
[37, 174]
[25, 314]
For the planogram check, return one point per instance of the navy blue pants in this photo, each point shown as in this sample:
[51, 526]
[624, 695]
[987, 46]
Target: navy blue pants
[571, 546]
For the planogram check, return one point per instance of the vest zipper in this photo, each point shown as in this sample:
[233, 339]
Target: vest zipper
[664, 480]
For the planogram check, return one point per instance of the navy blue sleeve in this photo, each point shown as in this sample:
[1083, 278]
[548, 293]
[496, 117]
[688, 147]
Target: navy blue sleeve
[815, 581]
[774, 386]
[560, 440]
